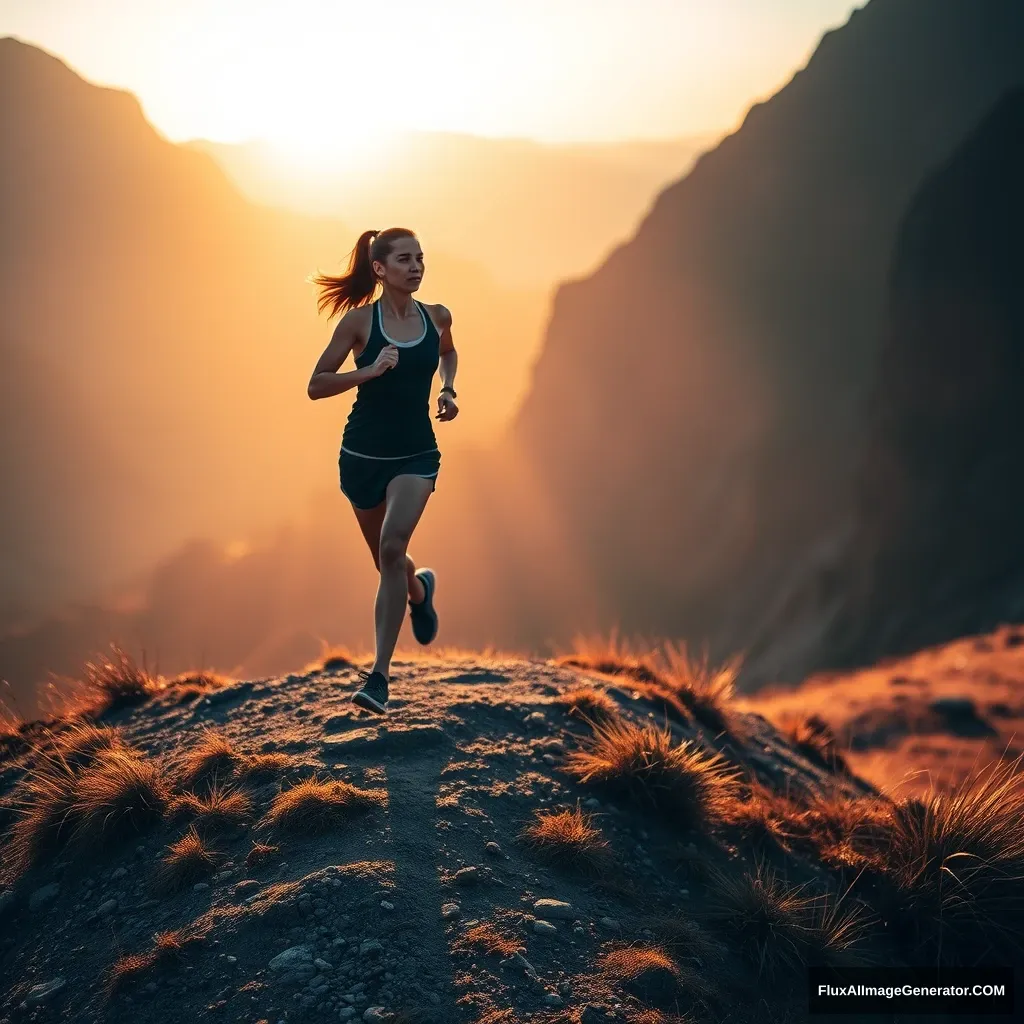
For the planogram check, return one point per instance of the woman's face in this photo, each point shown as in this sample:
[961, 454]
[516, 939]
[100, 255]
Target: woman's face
[403, 269]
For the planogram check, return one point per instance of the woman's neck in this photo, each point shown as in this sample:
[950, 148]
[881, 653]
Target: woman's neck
[399, 307]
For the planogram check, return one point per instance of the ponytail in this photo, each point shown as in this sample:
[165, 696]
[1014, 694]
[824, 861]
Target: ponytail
[357, 286]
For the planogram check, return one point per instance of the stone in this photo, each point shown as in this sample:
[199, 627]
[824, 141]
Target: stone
[41, 993]
[493, 849]
[544, 928]
[346, 1013]
[554, 910]
[294, 956]
[467, 876]
[323, 964]
[450, 911]
[201, 887]
[118, 874]
[554, 999]
[376, 1014]
[370, 947]
[611, 923]
[107, 907]
[386, 905]
[43, 896]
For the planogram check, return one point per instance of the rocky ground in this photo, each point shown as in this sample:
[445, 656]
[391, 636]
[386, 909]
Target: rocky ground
[420, 897]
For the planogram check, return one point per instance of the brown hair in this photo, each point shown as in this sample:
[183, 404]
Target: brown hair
[358, 285]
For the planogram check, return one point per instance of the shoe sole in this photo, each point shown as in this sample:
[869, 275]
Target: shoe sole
[429, 599]
[367, 703]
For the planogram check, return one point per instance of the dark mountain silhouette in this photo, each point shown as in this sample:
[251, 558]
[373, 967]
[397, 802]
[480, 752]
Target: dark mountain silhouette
[937, 549]
[702, 398]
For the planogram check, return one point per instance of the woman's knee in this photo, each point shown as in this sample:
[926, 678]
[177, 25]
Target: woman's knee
[392, 551]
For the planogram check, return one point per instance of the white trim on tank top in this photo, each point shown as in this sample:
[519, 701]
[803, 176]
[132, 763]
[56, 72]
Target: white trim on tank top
[402, 344]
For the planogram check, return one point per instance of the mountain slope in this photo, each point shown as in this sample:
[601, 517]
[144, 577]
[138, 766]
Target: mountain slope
[405, 880]
[711, 380]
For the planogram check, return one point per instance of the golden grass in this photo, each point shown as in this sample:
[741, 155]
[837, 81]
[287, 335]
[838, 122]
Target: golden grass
[956, 860]
[167, 947]
[81, 743]
[104, 790]
[779, 928]
[643, 764]
[215, 757]
[260, 854]
[121, 792]
[813, 737]
[46, 814]
[611, 656]
[568, 840]
[704, 689]
[118, 682]
[312, 806]
[588, 703]
[190, 860]
[497, 1017]
[650, 973]
[486, 937]
[218, 808]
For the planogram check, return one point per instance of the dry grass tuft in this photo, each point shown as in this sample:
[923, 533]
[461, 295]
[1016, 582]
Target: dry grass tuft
[780, 929]
[215, 757]
[260, 854]
[486, 937]
[100, 791]
[813, 737]
[644, 764]
[120, 793]
[313, 806]
[46, 814]
[497, 1017]
[567, 839]
[956, 860]
[167, 947]
[703, 689]
[589, 704]
[652, 975]
[220, 807]
[611, 656]
[190, 860]
[332, 658]
[82, 743]
[118, 682]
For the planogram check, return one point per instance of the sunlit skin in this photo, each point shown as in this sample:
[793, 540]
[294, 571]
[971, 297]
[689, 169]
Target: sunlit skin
[388, 528]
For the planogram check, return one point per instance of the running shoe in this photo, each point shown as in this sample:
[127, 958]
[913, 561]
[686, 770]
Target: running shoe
[373, 694]
[423, 616]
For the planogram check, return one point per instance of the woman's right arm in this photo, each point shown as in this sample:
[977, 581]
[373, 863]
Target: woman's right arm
[326, 381]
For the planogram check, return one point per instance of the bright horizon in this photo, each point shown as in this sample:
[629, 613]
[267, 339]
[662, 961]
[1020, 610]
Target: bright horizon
[548, 70]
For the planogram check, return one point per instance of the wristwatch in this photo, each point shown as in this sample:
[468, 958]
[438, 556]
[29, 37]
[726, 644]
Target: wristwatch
[451, 391]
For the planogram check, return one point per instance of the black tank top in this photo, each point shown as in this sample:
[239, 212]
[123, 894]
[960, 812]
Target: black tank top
[390, 417]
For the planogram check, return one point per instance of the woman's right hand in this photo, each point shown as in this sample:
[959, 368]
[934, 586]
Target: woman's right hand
[386, 360]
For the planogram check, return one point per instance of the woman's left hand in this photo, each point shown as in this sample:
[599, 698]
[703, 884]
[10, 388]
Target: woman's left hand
[446, 407]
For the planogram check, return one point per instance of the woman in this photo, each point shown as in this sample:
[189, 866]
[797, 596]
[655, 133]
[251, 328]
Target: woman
[389, 460]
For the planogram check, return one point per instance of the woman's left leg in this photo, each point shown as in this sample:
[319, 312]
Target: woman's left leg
[406, 499]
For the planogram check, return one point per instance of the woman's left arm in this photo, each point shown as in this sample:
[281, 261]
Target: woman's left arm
[448, 363]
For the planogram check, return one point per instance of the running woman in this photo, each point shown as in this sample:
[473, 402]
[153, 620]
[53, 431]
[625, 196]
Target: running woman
[389, 460]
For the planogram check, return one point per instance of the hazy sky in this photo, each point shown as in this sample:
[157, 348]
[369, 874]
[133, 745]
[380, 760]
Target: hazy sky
[304, 72]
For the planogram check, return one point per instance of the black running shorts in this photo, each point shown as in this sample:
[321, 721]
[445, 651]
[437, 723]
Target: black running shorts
[364, 481]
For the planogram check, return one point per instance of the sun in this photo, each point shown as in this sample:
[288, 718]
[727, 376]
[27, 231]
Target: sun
[316, 149]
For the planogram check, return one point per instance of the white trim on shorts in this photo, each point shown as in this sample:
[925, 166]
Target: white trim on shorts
[389, 458]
